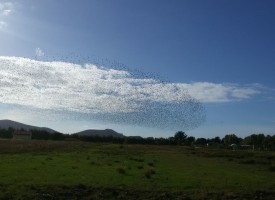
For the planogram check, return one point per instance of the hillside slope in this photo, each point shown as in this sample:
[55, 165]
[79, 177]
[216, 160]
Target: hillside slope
[5, 124]
[102, 133]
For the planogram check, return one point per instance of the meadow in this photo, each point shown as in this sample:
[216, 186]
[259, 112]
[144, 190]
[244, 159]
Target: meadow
[84, 170]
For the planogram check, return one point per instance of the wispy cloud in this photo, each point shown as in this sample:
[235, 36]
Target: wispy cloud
[110, 94]
[39, 52]
[6, 8]
[3, 24]
[220, 92]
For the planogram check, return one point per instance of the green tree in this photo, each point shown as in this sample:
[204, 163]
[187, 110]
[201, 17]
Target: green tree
[189, 141]
[217, 140]
[231, 139]
[258, 140]
[201, 141]
[180, 137]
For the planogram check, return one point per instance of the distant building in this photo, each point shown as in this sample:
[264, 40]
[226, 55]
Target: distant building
[22, 135]
[234, 146]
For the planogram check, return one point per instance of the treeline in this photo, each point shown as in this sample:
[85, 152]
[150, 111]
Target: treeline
[36, 134]
[254, 141]
[45, 135]
[6, 133]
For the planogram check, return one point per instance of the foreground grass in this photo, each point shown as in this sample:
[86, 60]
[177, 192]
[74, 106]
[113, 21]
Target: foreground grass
[49, 170]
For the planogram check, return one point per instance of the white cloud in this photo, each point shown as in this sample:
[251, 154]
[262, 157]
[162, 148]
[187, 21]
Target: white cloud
[109, 95]
[222, 92]
[6, 12]
[6, 8]
[93, 89]
[39, 52]
[3, 24]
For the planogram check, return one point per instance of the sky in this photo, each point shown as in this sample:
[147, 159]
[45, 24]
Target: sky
[147, 68]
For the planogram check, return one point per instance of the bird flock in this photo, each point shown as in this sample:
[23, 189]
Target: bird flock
[101, 90]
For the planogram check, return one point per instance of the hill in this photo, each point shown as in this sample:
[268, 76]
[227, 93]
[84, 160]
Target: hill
[5, 124]
[101, 133]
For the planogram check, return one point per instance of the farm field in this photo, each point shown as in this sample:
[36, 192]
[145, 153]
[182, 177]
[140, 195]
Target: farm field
[82, 170]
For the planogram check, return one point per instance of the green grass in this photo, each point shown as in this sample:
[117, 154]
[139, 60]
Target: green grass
[134, 167]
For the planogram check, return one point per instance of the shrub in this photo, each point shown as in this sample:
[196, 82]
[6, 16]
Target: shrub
[121, 170]
[49, 158]
[247, 162]
[272, 168]
[137, 159]
[153, 171]
[148, 174]
[93, 163]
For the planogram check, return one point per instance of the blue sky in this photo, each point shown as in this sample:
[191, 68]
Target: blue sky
[221, 52]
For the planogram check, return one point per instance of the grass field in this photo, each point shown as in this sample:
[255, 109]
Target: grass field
[78, 170]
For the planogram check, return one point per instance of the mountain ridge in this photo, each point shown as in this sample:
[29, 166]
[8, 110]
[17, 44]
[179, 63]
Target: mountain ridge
[103, 133]
[6, 123]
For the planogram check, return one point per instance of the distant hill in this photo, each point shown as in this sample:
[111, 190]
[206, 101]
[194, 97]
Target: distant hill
[5, 124]
[101, 133]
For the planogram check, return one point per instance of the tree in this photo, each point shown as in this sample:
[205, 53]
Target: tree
[201, 141]
[189, 141]
[231, 139]
[172, 141]
[6, 133]
[217, 140]
[57, 136]
[258, 140]
[180, 137]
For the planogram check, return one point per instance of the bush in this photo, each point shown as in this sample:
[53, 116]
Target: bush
[93, 163]
[148, 174]
[247, 162]
[272, 168]
[137, 159]
[49, 158]
[121, 170]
